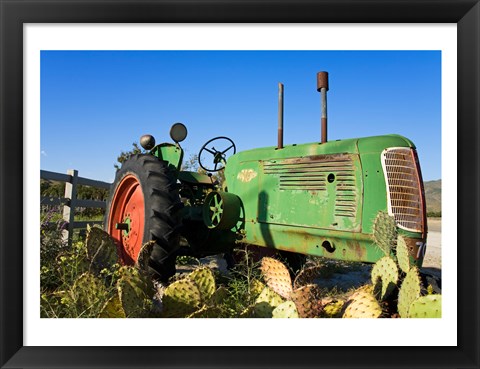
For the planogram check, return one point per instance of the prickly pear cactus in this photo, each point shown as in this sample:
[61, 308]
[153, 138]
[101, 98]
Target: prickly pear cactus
[135, 291]
[256, 287]
[307, 301]
[207, 312]
[181, 299]
[385, 232]
[429, 306]
[219, 296]
[363, 305]
[333, 309]
[385, 276]
[307, 276]
[286, 309]
[277, 276]
[403, 258]
[112, 308]
[88, 291]
[205, 282]
[101, 249]
[266, 302]
[143, 259]
[409, 292]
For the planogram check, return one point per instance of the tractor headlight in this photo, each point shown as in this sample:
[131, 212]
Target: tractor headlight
[178, 132]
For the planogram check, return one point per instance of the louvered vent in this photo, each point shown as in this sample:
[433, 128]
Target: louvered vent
[404, 191]
[312, 173]
[346, 199]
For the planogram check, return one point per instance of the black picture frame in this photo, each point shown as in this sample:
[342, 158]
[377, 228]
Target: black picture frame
[15, 13]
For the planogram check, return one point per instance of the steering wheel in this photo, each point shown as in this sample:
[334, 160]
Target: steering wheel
[219, 156]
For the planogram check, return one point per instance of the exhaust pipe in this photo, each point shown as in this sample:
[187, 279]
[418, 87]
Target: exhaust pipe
[322, 87]
[280, 116]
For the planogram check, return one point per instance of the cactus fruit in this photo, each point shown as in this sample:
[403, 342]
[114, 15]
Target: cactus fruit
[88, 291]
[363, 305]
[409, 291]
[143, 260]
[101, 249]
[286, 309]
[307, 276]
[277, 276]
[181, 298]
[307, 301]
[403, 258]
[205, 282]
[429, 306]
[385, 232]
[333, 309]
[385, 274]
[112, 308]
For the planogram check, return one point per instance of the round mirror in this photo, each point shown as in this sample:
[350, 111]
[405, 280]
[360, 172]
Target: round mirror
[178, 132]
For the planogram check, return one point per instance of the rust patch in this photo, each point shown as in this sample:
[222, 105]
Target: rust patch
[414, 245]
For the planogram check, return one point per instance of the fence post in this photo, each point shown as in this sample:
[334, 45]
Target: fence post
[69, 208]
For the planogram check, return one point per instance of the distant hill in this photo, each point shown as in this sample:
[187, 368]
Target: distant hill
[433, 195]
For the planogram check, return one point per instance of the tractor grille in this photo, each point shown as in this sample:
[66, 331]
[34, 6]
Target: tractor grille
[404, 188]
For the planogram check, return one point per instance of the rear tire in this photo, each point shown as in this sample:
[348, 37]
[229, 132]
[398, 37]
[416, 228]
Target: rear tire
[144, 199]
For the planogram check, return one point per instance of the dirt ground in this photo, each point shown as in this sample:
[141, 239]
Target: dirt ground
[433, 257]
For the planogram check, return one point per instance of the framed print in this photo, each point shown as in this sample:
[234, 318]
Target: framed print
[32, 31]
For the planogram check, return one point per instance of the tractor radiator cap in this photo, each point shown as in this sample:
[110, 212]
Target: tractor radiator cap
[147, 142]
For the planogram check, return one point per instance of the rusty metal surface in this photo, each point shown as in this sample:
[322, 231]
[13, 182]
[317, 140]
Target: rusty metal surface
[280, 116]
[322, 80]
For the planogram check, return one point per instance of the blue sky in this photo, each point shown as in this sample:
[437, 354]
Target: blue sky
[94, 104]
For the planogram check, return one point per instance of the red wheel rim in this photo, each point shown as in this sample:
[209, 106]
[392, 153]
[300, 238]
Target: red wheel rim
[126, 220]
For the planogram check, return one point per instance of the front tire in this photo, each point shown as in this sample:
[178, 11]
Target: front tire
[143, 206]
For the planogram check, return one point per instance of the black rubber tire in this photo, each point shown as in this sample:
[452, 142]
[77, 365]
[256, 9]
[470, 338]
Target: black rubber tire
[162, 205]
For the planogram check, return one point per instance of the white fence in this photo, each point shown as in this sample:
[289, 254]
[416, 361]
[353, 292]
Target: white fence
[70, 201]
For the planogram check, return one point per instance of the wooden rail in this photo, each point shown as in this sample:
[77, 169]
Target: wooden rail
[70, 201]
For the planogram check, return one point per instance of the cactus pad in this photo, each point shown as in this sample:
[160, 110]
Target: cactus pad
[363, 305]
[218, 296]
[138, 280]
[307, 276]
[112, 309]
[256, 287]
[101, 249]
[205, 282]
[385, 274]
[409, 292]
[429, 306]
[143, 259]
[277, 276]
[286, 309]
[266, 302]
[207, 312]
[88, 291]
[307, 301]
[403, 257]
[333, 309]
[181, 298]
[385, 232]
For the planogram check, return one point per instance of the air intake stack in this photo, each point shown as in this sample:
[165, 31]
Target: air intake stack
[322, 87]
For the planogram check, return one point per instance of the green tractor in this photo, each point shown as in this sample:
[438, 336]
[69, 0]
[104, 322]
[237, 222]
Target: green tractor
[317, 199]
